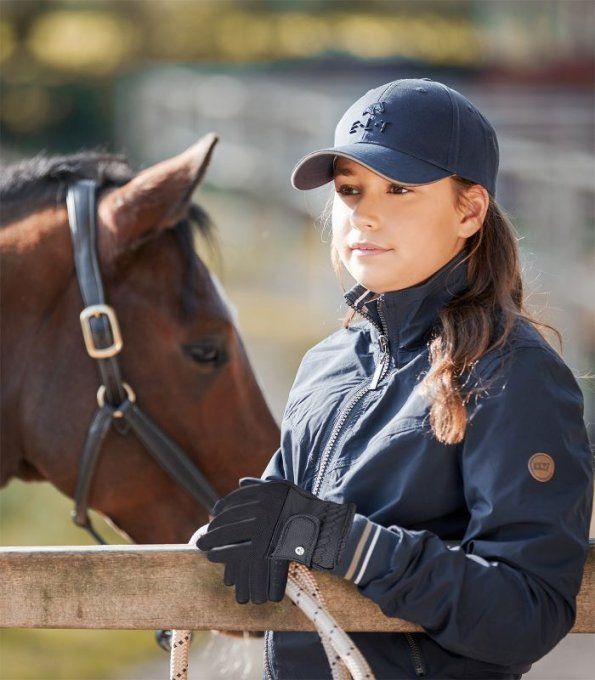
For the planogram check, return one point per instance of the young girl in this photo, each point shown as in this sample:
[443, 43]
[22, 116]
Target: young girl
[432, 452]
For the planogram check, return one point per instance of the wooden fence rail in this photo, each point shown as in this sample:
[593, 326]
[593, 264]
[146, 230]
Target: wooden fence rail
[147, 587]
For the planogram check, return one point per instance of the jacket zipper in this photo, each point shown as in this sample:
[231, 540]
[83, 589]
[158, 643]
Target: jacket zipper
[383, 339]
[416, 657]
[369, 384]
[267, 666]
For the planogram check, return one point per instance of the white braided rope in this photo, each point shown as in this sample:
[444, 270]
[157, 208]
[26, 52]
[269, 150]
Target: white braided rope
[178, 660]
[345, 659]
[343, 656]
[306, 583]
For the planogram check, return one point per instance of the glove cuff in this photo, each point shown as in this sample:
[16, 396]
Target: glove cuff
[316, 541]
[333, 533]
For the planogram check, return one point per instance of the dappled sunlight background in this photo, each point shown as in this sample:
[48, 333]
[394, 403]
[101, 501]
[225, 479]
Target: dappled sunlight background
[148, 78]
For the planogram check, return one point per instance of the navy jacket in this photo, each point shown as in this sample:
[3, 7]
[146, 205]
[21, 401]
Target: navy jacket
[482, 543]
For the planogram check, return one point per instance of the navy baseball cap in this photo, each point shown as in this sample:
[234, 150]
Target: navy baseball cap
[412, 130]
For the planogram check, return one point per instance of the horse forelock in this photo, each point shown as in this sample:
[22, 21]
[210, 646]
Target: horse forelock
[31, 184]
[34, 184]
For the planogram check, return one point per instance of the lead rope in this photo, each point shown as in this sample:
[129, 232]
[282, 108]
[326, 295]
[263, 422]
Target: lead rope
[345, 659]
[178, 660]
[306, 583]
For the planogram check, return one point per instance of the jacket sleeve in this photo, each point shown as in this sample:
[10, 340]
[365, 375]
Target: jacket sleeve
[281, 464]
[507, 594]
[276, 467]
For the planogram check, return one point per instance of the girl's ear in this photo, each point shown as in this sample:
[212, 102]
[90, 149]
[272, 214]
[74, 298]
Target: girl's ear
[474, 206]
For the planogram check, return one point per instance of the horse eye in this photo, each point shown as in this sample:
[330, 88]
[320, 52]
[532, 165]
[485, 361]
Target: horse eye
[205, 352]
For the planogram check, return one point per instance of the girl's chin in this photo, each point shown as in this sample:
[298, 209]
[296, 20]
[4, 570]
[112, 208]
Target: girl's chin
[377, 284]
[370, 271]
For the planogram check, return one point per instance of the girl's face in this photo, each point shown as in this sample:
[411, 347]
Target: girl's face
[415, 228]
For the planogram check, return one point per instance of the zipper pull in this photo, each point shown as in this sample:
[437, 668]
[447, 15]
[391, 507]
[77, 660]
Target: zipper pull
[380, 364]
[376, 378]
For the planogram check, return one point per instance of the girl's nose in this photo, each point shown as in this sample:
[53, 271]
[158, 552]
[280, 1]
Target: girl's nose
[364, 221]
[364, 215]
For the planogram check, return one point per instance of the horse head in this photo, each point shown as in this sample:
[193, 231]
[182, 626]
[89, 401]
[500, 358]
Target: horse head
[182, 352]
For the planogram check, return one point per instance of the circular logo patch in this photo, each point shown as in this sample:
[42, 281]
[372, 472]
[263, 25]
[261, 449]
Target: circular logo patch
[542, 466]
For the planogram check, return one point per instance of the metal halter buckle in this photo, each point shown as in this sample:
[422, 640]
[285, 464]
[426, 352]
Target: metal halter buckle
[96, 311]
[129, 394]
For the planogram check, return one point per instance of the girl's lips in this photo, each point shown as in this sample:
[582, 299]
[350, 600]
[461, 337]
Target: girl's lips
[368, 252]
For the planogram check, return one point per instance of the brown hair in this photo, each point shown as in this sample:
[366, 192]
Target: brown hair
[473, 323]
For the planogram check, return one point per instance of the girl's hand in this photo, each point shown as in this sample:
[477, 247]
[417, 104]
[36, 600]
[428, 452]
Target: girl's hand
[263, 525]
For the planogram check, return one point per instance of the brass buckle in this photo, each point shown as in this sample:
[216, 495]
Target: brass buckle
[129, 394]
[96, 311]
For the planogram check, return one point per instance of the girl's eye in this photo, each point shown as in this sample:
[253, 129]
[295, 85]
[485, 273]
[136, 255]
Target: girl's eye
[345, 189]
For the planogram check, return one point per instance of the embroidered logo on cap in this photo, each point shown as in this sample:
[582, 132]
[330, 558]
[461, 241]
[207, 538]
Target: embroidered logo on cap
[541, 467]
[375, 108]
[371, 110]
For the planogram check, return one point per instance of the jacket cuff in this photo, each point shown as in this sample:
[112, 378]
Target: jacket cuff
[356, 549]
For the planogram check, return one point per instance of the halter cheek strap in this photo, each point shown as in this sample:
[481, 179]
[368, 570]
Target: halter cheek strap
[116, 399]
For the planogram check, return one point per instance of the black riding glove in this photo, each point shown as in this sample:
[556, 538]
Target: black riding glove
[261, 526]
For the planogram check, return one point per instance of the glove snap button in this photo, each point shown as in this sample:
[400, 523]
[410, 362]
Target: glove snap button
[299, 550]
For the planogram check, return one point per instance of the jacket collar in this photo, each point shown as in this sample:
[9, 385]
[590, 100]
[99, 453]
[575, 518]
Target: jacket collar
[407, 316]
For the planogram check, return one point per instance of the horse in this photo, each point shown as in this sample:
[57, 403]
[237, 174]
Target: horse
[182, 352]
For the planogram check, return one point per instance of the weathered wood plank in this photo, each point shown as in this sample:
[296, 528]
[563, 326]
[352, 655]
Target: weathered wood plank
[174, 586]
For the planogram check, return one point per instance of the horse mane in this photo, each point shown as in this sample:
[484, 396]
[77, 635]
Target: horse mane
[32, 184]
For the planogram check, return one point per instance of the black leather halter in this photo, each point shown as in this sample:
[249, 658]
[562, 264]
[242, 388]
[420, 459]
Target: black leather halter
[116, 399]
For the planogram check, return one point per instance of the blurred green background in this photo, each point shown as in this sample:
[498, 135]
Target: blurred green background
[149, 77]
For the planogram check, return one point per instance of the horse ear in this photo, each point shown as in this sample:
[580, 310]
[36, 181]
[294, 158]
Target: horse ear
[156, 199]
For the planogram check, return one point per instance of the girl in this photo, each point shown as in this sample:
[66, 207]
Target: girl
[432, 452]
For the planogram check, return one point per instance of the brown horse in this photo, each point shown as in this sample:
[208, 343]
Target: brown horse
[182, 352]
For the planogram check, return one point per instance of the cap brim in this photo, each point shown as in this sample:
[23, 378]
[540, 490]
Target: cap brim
[316, 168]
